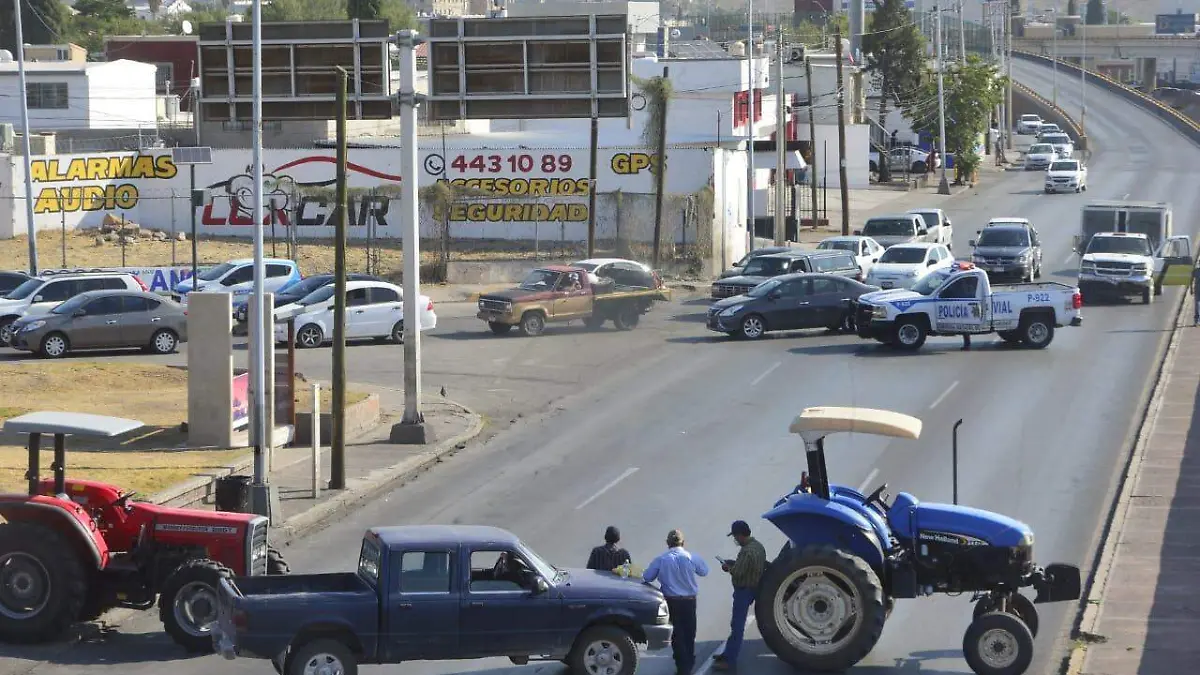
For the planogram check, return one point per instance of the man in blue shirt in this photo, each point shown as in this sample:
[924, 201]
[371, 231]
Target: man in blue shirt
[676, 572]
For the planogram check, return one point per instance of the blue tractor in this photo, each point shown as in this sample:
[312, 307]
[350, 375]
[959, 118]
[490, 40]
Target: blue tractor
[823, 602]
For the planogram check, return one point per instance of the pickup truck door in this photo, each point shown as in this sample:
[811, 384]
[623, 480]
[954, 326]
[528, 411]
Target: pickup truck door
[422, 610]
[961, 307]
[1174, 261]
[503, 617]
[572, 296]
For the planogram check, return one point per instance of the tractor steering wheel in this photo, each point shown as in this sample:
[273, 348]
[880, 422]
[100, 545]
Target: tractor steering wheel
[122, 502]
[876, 497]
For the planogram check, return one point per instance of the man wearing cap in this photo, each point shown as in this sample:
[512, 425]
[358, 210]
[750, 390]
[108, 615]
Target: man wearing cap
[745, 572]
[609, 556]
[676, 572]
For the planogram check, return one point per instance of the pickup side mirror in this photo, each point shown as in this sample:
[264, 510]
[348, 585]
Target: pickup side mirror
[38, 298]
[930, 263]
[971, 243]
[922, 231]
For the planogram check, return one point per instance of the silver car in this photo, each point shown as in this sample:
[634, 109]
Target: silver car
[104, 320]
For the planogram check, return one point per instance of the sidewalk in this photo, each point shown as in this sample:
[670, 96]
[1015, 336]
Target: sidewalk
[1143, 611]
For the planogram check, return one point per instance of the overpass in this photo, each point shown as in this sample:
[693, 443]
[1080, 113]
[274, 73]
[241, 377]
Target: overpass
[1123, 58]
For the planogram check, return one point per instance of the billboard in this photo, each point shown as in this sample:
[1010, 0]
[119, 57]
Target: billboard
[1175, 24]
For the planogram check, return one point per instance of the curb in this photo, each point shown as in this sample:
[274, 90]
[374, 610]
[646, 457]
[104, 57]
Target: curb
[1097, 582]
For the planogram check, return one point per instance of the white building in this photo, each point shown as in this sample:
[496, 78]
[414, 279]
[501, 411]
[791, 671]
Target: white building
[167, 9]
[64, 95]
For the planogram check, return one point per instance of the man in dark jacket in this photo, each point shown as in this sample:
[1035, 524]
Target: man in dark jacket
[609, 556]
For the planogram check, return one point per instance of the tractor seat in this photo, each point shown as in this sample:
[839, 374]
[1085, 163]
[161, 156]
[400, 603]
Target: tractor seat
[902, 514]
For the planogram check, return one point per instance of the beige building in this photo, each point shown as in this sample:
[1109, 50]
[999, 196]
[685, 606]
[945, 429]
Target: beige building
[69, 53]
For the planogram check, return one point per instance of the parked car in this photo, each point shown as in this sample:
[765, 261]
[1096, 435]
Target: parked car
[293, 293]
[1040, 156]
[905, 159]
[1008, 249]
[890, 230]
[866, 251]
[788, 302]
[903, 265]
[619, 271]
[841, 263]
[938, 227]
[10, 280]
[374, 309]
[104, 320]
[1029, 124]
[736, 270]
[237, 277]
[44, 292]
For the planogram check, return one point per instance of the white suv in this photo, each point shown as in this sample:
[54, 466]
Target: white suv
[44, 292]
[1029, 124]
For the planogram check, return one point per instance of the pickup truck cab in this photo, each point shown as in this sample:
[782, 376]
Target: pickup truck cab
[938, 227]
[564, 293]
[435, 593]
[1123, 264]
[901, 228]
[959, 300]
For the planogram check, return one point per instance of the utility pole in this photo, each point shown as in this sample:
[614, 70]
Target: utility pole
[812, 137]
[1083, 81]
[780, 149]
[591, 231]
[1008, 103]
[412, 425]
[962, 34]
[943, 185]
[660, 173]
[25, 143]
[1054, 42]
[337, 434]
[750, 123]
[841, 113]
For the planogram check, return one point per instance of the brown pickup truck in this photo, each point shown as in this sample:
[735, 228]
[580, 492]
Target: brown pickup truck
[564, 293]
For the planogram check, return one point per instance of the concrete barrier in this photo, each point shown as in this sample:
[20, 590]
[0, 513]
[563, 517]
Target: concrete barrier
[477, 272]
[360, 417]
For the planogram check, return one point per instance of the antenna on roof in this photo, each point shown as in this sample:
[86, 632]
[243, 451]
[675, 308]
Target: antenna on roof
[186, 26]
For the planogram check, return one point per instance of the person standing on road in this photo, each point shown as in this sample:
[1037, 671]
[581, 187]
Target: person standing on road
[609, 556]
[745, 572]
[676, 571]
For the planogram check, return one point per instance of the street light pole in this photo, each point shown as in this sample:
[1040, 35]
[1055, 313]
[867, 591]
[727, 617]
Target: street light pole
[750, 123]
[1054, 41]
[943, 184]
[1083, 82]
[25, 143]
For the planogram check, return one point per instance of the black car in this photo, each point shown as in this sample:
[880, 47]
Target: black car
[789, 302]
[758, 270]
[1009, 250]
[10, 280]
[300, 289]
[736, 270]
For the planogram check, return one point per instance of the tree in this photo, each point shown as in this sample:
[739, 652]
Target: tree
[304, 10]
[1094, 13]
[895, 54]
[1072, 8]
[972, 91]
[398, 14]
[154, 6]
[363, 9]
[42, 23]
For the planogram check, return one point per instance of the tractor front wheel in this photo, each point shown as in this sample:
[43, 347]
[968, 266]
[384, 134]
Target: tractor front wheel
[821, 609]
[187, 604]
[1019, 605]
[42, 583]
[998, 644]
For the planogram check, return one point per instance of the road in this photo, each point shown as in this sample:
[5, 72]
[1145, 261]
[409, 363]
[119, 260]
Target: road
[695, 437]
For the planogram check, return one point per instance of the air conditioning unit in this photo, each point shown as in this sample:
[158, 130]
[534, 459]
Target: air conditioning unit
[796, 54]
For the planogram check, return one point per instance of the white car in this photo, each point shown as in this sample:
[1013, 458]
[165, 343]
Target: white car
[374, 309]
[938, 226]
[1048, 128]
[903, 265]
[1066, 175]
[1062, 144]
[623, 272]
[46, 291]
[866, 251]
[1040, 156]
[1029, 124]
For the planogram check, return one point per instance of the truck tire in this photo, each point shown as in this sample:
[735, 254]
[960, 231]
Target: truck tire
[910, 333]
[187, 604]
[1037, 331]
[321, 656]
[276, 563]
[594, 322]
[843, 605]
[499, 328]
[43, 584]
[533, 324]
[627, 318]
[998, 644]
[1147, 295]
[601, 646]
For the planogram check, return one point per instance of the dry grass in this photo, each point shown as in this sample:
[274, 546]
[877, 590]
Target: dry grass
[304, 399]
[143, 472]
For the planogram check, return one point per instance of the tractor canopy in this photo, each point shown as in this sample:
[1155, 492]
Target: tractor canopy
[814, 424]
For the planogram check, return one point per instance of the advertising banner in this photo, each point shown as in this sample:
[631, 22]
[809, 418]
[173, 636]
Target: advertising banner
[241, 400]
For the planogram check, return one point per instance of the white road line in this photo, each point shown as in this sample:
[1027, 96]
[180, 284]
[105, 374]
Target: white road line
[946, 393]
[867, 482]
[1125, 197]
[708, 664]
[766, 372]
[1069, 259]
[628, 472]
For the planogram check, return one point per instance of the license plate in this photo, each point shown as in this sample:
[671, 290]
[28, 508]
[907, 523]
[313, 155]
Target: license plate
[886, 284]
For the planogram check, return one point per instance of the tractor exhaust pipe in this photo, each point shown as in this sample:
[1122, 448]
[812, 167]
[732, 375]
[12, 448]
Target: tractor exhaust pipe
[954, 459]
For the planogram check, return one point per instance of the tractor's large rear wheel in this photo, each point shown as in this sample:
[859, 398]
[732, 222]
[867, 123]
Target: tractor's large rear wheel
[187, 604]
[275, 562]
[42, 583]
[821, 608]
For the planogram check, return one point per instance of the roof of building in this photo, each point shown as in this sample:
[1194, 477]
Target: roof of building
[70, 66]
[151, 38]
[443, 535]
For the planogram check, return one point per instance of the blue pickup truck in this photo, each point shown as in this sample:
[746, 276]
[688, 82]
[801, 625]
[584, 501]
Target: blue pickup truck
[431, 593]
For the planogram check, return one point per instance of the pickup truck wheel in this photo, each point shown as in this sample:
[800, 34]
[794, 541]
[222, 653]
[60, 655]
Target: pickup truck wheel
[603, 650]
[911, 334]
[1037, 331]
[1147, 295]
[627, 319]
[499, 328]
[593, 322]
[42, 584]
[187, 605]
[322, 657]
[532, 324]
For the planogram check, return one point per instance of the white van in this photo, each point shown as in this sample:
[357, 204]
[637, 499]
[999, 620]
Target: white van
[237, 277]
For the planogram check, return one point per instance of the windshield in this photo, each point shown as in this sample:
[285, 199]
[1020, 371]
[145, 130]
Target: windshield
[765, 267]
[25, 290]
[889, 228]
[1003, 236]
[320, 295]
[543, 568]
[839, 245]
[1057, 138]
[1132, 245]
[71, 305]
[1049, 127]
[765, 287]
[930, 218]
[309, 285]
[1029, 118]
[1040, 148]
[1064, 166]
[900, 254]
[931, 282]
[540, 280]
[214, 273]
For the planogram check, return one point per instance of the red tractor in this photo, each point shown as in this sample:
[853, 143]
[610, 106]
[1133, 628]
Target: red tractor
[70, 550]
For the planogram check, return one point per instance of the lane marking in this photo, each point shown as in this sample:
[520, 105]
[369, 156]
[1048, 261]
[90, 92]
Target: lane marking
[1069, 259]
[612, 484]
[1125, 197]
[708, 665]
[867, 482]
[766, 372]
[946, 393]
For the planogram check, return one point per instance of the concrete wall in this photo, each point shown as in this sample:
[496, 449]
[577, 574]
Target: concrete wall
[210, 370]
[858, 159]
